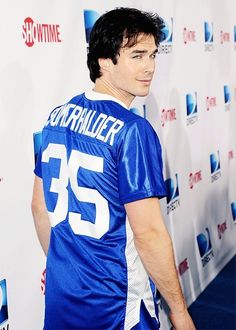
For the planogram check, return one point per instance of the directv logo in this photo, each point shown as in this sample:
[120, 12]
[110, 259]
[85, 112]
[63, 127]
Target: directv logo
[191, 108]
[165, 46]
[37, 137]
[209, 38]
[205, 248]
[172, 189]
[90, 17]
[3, 303]
[215, 166]
[233, 210]
[227, 97]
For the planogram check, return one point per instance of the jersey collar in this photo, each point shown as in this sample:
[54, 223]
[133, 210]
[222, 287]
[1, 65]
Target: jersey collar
[95, 96]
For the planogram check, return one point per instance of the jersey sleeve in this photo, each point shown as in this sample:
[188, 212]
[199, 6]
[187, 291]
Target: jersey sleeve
[140, 164]
[38, 164]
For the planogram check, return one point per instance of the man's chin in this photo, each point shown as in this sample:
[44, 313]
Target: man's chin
[143, 93]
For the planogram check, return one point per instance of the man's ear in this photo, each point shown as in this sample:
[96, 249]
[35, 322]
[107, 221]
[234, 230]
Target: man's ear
[104, 63]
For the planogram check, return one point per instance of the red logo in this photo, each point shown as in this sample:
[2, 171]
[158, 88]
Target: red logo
[41, 33]
[231, 154]
[167, 115]
[221, 229]
[189, 35]
[194, 178]
[224, 37]
[43, 281]
[210, 102]
[183, 266]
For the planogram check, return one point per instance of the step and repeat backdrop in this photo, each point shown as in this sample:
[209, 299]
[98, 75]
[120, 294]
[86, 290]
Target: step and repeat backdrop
[192, 106]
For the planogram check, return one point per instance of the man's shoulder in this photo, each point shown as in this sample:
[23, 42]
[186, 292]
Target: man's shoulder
[72, 100]
[139, 122]
[76, 99]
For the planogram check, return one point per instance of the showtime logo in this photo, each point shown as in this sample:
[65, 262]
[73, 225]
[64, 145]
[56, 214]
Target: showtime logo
[221, 228]
[210, 102]
[40, 33]
[167, 115]
[189, 36]
[3, 304]
[194, 178]
[205, 248]
[231, 154]
[209, 38]
[191, 107]
[43, 281]
[165, 46]
[183, 267]
[224, 37]
[172, 190]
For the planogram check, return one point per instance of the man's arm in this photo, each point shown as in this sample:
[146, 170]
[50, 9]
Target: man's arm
[40, 214]
[154, 247]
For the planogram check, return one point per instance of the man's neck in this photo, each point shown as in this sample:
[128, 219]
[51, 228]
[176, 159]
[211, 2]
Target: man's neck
[104, 87]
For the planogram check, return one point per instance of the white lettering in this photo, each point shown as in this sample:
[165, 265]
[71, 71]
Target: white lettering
[75, 115]
[118, 124]
[87, 121]
[5, 328]
[104, 126]
[98, 124]
[52, 117]
[84, 121]
[62, 114]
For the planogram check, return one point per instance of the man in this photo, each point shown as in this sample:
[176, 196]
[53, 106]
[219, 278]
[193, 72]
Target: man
[100, 163]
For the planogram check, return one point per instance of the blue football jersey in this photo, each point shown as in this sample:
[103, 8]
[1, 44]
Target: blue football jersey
[95, 157]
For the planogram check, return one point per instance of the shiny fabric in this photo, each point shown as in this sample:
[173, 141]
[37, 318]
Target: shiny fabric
[95, 152]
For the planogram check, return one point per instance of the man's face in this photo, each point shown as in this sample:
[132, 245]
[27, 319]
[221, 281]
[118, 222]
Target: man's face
[132, 74]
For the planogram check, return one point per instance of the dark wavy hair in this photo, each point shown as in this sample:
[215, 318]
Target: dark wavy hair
[111, 28]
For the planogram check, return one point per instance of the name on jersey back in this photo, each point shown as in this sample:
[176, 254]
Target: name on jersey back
[86, 121]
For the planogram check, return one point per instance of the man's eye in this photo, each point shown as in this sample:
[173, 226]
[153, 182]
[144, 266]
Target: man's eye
[154, 56]
[137, 56]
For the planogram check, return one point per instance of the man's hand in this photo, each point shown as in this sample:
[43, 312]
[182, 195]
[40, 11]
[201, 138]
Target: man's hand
[181, 320]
